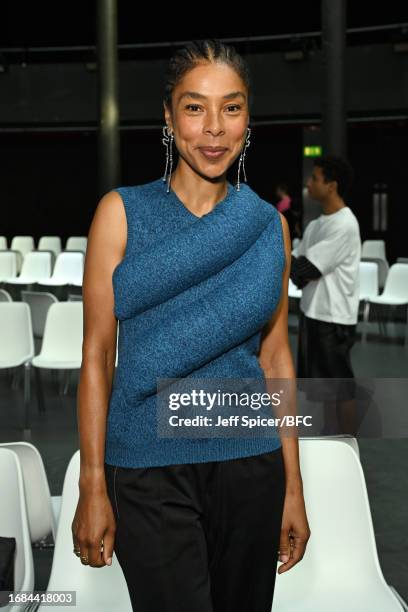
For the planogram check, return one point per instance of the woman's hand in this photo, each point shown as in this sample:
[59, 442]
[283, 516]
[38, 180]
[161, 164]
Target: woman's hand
[93, 528]
[295, 531]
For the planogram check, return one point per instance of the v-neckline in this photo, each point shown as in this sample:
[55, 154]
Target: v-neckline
[172, 194]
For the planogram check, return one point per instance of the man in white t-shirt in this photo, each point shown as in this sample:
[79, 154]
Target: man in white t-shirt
[325, 265]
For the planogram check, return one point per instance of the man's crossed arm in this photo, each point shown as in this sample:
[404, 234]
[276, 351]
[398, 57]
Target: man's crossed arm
[302, 271]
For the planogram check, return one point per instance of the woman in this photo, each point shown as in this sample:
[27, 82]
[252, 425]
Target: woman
[286, 206]
[194, 522]
[285, 200]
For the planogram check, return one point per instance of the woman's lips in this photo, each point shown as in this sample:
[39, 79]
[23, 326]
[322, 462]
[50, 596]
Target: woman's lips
[209, 154]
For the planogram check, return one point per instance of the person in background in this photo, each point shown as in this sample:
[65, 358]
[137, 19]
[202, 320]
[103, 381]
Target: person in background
[285, 205]
[325, 265]
[285, 201]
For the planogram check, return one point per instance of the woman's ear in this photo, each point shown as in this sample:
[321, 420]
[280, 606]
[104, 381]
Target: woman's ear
[167, 117]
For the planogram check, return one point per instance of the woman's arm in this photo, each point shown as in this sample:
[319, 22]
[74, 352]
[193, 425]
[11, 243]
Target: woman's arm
[106, 246]
[275, 358]
[105, 249]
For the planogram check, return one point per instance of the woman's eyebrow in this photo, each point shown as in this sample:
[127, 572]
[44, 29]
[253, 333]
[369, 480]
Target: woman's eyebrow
[198, 96]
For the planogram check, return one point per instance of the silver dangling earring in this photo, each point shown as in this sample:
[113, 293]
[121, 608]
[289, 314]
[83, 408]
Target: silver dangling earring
[242, 159]
[167, 140]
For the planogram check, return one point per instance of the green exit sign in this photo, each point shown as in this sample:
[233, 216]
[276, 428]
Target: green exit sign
[314, 151]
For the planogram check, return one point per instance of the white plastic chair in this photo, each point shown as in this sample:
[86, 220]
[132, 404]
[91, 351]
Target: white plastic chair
[39, 303]
[8, 265]
[342, 539]
[293, 291]
[76, 243]
[62, 341]
[5, 296]
[396, 287]
[50, 243]
[61, 347]
[3, 242]
[373, 248]
[36, 265]
[369, 287]
[368, 280]
[345, 438]
[68, 269]
[42, 510]
[14, 523]
[17, 345]
[395, 293]
[102, 588]
[23, 245]
[383, 268]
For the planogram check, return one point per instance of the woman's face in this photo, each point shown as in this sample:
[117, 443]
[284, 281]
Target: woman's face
[210, 109]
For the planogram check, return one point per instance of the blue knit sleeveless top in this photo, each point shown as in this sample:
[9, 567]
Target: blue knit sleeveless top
[192, 295]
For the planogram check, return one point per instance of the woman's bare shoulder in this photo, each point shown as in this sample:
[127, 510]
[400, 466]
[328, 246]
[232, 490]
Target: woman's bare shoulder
[109, 224]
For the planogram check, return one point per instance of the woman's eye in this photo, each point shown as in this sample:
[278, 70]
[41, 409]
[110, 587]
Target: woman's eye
[193, 107]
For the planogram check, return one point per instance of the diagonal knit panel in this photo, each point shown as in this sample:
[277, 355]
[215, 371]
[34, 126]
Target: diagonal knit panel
[192, 296]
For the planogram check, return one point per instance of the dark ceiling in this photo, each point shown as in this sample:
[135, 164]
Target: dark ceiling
[36, 24]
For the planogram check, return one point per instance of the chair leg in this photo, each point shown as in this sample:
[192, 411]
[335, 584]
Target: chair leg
[406, 329]
[55, 380]
[39, 390]
[366, 315]
[63, 376]
[67, 374]
[386, 319]
[15, 377]
[380, 322]
[27, 398]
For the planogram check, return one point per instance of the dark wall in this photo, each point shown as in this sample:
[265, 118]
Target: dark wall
[378, 154]
[48, 182]
[377, 80]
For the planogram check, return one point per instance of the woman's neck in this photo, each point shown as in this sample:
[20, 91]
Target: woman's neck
[202, 195]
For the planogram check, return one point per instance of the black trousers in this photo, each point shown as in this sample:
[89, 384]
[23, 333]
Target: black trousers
[324, 349]
[199, 537]
[324, 353]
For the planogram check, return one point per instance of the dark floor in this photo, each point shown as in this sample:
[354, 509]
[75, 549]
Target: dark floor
[384, 461]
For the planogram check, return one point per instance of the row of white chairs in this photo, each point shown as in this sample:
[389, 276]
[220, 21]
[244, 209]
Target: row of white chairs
[370, 248]
[61, 345]
[338, 511]
[395, 292]
[24, 244]
[39, 303]
[37, 268]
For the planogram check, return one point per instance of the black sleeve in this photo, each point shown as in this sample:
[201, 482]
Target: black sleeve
[302, 270]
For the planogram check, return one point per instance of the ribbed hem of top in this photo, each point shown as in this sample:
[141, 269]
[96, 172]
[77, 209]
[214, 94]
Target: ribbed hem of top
[174, 452]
